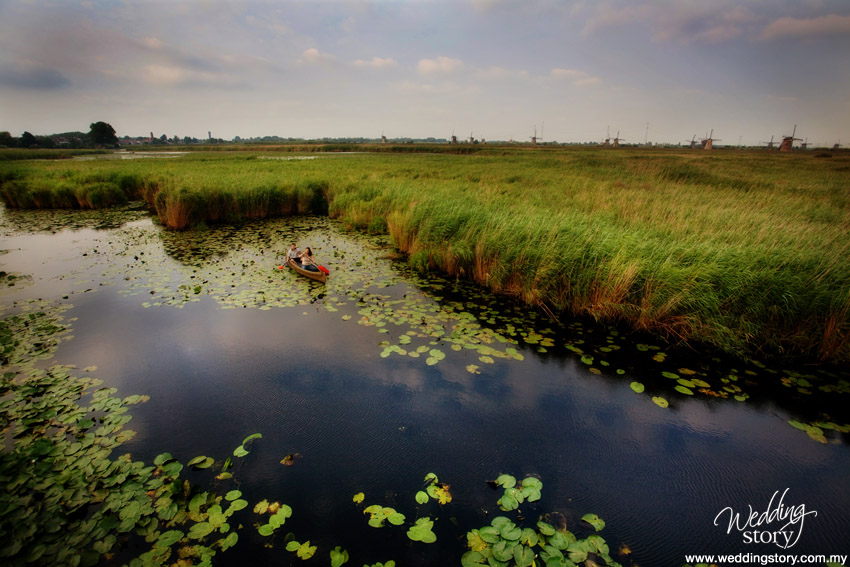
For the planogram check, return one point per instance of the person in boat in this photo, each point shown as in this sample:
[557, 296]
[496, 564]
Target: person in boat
[307, 261]
[294, 254]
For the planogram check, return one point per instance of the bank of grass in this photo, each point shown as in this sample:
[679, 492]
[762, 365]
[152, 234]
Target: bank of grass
[748, 252]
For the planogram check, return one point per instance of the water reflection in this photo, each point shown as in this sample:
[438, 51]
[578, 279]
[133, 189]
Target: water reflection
[346, 374]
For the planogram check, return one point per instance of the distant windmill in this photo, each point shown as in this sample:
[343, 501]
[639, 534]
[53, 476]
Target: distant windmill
[837, 145]
[454, 138]
[769, 144]
[708, 143]
[693, 142]
[534, 137]
[471, 138]
[383, 138]
[788, 141]
[607, 136]
[805, 145]
[616, 142]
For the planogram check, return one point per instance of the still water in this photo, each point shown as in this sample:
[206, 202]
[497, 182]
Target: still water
[383, 375]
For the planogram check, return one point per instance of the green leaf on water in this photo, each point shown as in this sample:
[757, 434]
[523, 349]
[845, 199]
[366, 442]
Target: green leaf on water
[229, 541]
[506, 481]
[421, 531]
[252, 437]
[201, 462]
[637, 387]
[169, 538]
[683, 390]
[594, 520]
[661, 402]
[671, 375]
[339, 556]
[421, 497]
[201, 530]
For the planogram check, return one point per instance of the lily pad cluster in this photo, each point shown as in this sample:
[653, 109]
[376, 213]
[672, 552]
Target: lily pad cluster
[817, 430]
[505, 543]
[67, 499]
[515, 494]
[439, 491]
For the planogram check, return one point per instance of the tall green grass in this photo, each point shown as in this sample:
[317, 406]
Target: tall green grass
[747, 251]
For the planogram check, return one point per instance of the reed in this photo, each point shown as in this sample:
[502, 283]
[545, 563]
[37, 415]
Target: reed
[747, 251]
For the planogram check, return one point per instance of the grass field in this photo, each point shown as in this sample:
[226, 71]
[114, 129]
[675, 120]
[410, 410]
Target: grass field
[746, 251]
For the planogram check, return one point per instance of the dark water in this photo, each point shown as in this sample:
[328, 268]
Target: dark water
[260, 350]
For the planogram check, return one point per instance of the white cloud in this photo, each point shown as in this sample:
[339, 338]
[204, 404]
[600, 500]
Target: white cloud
[797, 28]
[577, 77]
[497, 73]
[440, 65]
[152, 42]
[313, 57]
[163, 74]
[376, 63]
[587, 82]
[410, 87]
[176, 75]
[682, 21]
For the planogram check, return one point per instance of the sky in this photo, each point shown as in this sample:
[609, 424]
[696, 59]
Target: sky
[661, 71]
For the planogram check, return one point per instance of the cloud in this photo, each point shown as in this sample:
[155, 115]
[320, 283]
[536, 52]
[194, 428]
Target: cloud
[498, 73]
[313, 57]
[799, 28]
[577, 77]
[175, 75]
[440, 65]
[682, 22]
[410, 87]
[609, 16]
[152, 42]
[34, 78]
[376, 63]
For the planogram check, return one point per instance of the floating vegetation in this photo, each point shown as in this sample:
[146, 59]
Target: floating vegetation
[67, 500]
[302, 550]
[421, 531]
[339, 557]
[507, 543]
[817, 430]
[514, 494]
[378, 514]
[435, 489]
[417, 317]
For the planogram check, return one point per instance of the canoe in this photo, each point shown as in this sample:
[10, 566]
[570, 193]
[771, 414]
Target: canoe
[318, 276]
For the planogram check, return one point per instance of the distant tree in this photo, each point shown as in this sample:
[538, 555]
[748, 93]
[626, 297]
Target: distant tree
[102, 134]
[164, 138]
[6, 139]
[45, 142]
[27, 140]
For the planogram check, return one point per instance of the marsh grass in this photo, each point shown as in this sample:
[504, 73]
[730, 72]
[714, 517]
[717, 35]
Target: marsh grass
[746, 251]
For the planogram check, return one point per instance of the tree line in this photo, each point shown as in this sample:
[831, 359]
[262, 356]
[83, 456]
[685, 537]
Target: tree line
[100, 135]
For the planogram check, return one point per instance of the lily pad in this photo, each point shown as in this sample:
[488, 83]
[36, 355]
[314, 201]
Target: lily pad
[637, 387]
[421, 531]
[661, 402]
[339, 556]
[594, 520]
